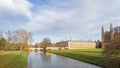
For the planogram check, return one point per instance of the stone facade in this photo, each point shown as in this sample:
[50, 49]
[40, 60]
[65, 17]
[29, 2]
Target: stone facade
[77, 44]
[81, 44]
[111, 36]
[62, 44]
[106, 37]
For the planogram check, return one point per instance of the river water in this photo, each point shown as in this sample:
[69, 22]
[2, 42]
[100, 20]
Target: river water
[48, 60]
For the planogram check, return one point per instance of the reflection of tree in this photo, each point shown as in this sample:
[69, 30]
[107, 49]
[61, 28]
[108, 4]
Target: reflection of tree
[46, 57]
[34, 60]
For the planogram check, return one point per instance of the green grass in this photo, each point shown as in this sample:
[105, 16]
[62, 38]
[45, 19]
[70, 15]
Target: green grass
[87, 51]
[88, 55]
[13, 59]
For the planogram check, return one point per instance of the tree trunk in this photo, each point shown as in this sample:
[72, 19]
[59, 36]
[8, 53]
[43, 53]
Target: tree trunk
[21, 48]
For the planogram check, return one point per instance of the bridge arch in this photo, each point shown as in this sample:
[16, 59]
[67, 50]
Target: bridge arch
[33, 49]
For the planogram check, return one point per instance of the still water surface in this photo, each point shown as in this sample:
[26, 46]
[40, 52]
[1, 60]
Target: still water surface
[48, 60]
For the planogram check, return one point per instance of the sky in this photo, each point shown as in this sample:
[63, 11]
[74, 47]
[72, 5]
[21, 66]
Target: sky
[60, 19]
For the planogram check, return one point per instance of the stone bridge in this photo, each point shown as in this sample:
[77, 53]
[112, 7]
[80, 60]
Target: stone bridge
[48, 48]
[35, 48]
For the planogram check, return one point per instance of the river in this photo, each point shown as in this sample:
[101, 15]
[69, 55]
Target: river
[48, 60]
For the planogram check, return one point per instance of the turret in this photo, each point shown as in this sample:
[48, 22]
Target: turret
[102, 37]
[111, 31]
[111, 27]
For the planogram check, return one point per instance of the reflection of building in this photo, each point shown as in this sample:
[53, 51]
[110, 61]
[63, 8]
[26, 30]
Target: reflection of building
[110, 36]
[77, 44]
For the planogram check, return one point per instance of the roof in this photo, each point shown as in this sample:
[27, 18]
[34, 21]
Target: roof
[74, 41]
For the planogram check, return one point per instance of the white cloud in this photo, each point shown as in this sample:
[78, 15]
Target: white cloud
[15, 7]
[44, 20]
[64, 18]
[83, 19]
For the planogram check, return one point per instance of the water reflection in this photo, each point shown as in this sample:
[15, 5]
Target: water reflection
[47, 60]
[33, 60]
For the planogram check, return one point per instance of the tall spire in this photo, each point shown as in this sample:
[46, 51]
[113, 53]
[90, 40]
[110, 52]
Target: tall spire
[102, 33]
[111, 27]
[103, 37]
[111, 31]
[102, 29]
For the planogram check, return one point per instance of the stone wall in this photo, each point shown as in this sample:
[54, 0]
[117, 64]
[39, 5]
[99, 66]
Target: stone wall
[81, 44]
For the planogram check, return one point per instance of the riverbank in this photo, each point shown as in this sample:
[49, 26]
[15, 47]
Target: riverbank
[13, 59]
[93, 56]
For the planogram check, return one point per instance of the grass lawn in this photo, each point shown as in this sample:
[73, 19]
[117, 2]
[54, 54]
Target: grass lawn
[97, 52]
[89, 55]
[13, 59]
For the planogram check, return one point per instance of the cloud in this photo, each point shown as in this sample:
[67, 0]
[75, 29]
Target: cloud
[15, 8]
[59, 19]
[14, 13]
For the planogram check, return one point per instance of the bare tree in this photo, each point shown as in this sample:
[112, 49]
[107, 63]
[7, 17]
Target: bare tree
[23, 37]
[115, 43]
[19, 38]
[45, 43]
[9, 39]
[2, 41]
[117, 29]
[30, 39]
[111, 59]
[1, 35]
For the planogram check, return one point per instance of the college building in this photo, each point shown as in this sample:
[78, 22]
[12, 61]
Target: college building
[71, 44]
[111, 38]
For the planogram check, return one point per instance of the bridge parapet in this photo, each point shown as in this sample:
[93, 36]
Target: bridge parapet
[35, 48]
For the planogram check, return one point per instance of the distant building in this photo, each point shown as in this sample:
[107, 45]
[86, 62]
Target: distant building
[77, 44]
[41, 45]
[98, 44]
[111, 36]
[62, 44]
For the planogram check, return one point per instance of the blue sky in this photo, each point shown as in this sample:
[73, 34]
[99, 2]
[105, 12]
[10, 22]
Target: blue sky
[60, 19]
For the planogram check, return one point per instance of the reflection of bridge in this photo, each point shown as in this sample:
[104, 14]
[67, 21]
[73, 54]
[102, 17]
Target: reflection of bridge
[35, 48]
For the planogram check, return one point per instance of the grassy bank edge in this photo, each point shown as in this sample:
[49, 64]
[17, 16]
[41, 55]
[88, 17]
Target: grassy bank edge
[81, 57]
[18, 56]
